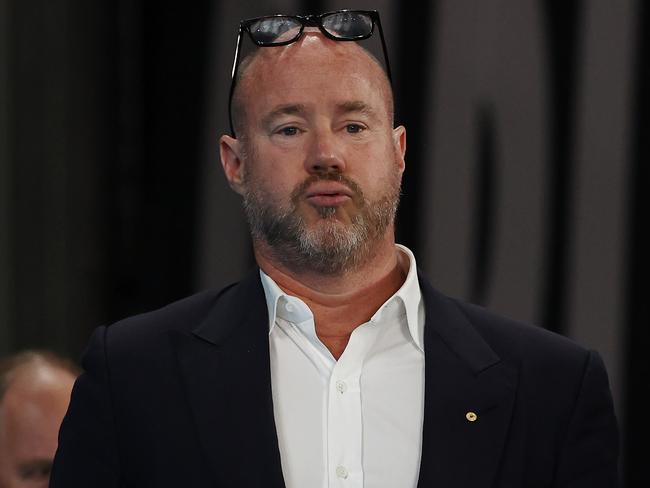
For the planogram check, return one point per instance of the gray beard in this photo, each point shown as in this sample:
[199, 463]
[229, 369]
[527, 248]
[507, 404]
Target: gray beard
[332, 247]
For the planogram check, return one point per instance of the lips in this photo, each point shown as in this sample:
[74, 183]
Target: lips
[328, 193]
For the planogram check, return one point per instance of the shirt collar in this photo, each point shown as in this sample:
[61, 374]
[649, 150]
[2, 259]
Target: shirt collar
[409, 295]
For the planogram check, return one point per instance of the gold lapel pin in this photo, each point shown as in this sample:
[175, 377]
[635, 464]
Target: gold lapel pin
[471, 416]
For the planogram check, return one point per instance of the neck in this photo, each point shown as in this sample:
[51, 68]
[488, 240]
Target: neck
[340, 303]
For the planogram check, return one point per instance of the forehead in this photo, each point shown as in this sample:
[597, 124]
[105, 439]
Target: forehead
[34, 405]
[314, 64]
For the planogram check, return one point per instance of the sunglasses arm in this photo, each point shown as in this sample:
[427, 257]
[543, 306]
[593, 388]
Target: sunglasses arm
[232, 83]
[383, 46]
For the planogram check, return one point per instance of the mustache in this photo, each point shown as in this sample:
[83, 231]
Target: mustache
[300, 190]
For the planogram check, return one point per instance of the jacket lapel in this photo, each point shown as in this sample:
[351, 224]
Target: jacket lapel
[226, 372]
[469, 395]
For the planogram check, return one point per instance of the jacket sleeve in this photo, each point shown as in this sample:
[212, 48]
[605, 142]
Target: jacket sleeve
[87, 452]
[589, 456]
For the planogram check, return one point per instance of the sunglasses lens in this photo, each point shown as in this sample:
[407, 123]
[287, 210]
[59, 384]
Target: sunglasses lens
[348, 25]
[270, 30]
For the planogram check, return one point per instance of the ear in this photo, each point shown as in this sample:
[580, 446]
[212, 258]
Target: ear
[399, 143]
[230, 151]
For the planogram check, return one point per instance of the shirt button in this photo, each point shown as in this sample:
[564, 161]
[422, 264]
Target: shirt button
[289, 307]
[341, 472]
[341, 386]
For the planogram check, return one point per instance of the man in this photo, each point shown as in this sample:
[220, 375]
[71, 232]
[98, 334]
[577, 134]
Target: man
[311, 371]
[34, 394]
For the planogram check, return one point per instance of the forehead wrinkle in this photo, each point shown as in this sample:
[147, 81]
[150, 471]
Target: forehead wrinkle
[355, 106]
[284, 109]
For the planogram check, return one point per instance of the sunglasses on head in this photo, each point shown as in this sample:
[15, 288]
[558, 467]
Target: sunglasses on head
[280, 30]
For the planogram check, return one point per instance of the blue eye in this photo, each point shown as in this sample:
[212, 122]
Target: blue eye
[288, 131]
[353, 128]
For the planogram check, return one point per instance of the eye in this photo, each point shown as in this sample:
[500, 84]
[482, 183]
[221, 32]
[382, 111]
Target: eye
[288, 131]
[354, 128]
[35, 471]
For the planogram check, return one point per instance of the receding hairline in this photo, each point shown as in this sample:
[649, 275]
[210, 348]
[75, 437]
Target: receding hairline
[238, 114]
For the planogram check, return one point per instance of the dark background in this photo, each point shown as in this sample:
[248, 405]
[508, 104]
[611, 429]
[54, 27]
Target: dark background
[526, 184]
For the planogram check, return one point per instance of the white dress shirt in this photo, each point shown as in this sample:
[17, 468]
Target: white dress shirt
[355, 422]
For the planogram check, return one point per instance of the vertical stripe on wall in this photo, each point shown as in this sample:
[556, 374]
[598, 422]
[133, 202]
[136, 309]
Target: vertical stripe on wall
[563, 25]
[636, 423]
[596, 274]
[6, 275]
[488, 70]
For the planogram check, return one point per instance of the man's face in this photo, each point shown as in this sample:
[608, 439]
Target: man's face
[30, 415]
[320, 164]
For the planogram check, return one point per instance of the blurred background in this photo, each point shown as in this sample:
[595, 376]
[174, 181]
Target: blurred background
[527, 165]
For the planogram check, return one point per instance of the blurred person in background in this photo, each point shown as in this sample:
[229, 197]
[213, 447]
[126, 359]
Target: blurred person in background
[35, 391]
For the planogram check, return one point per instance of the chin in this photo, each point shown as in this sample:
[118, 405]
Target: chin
[337, 213]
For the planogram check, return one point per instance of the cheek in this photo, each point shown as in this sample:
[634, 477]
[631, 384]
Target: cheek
[380, 171]
[269, 185]
[279, 169]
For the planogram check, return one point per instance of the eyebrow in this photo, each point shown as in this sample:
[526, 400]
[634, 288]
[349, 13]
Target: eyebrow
[35, 469]
[355, 106]
[288, 109]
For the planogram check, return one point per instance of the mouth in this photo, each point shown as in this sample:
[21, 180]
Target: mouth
[328, 194]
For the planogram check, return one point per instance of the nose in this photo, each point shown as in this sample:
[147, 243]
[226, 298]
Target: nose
[325, 154]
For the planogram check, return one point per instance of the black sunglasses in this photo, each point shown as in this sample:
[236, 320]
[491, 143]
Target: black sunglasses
[280, 30]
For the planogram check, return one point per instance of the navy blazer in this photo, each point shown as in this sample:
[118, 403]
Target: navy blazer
[181, 397]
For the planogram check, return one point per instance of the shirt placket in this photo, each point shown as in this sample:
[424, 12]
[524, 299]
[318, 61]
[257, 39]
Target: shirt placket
[344, 414]
[344, 429]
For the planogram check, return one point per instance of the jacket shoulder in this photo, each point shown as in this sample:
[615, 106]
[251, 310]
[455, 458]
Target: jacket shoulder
[505, 333]
[183, 315]
[557, 361]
